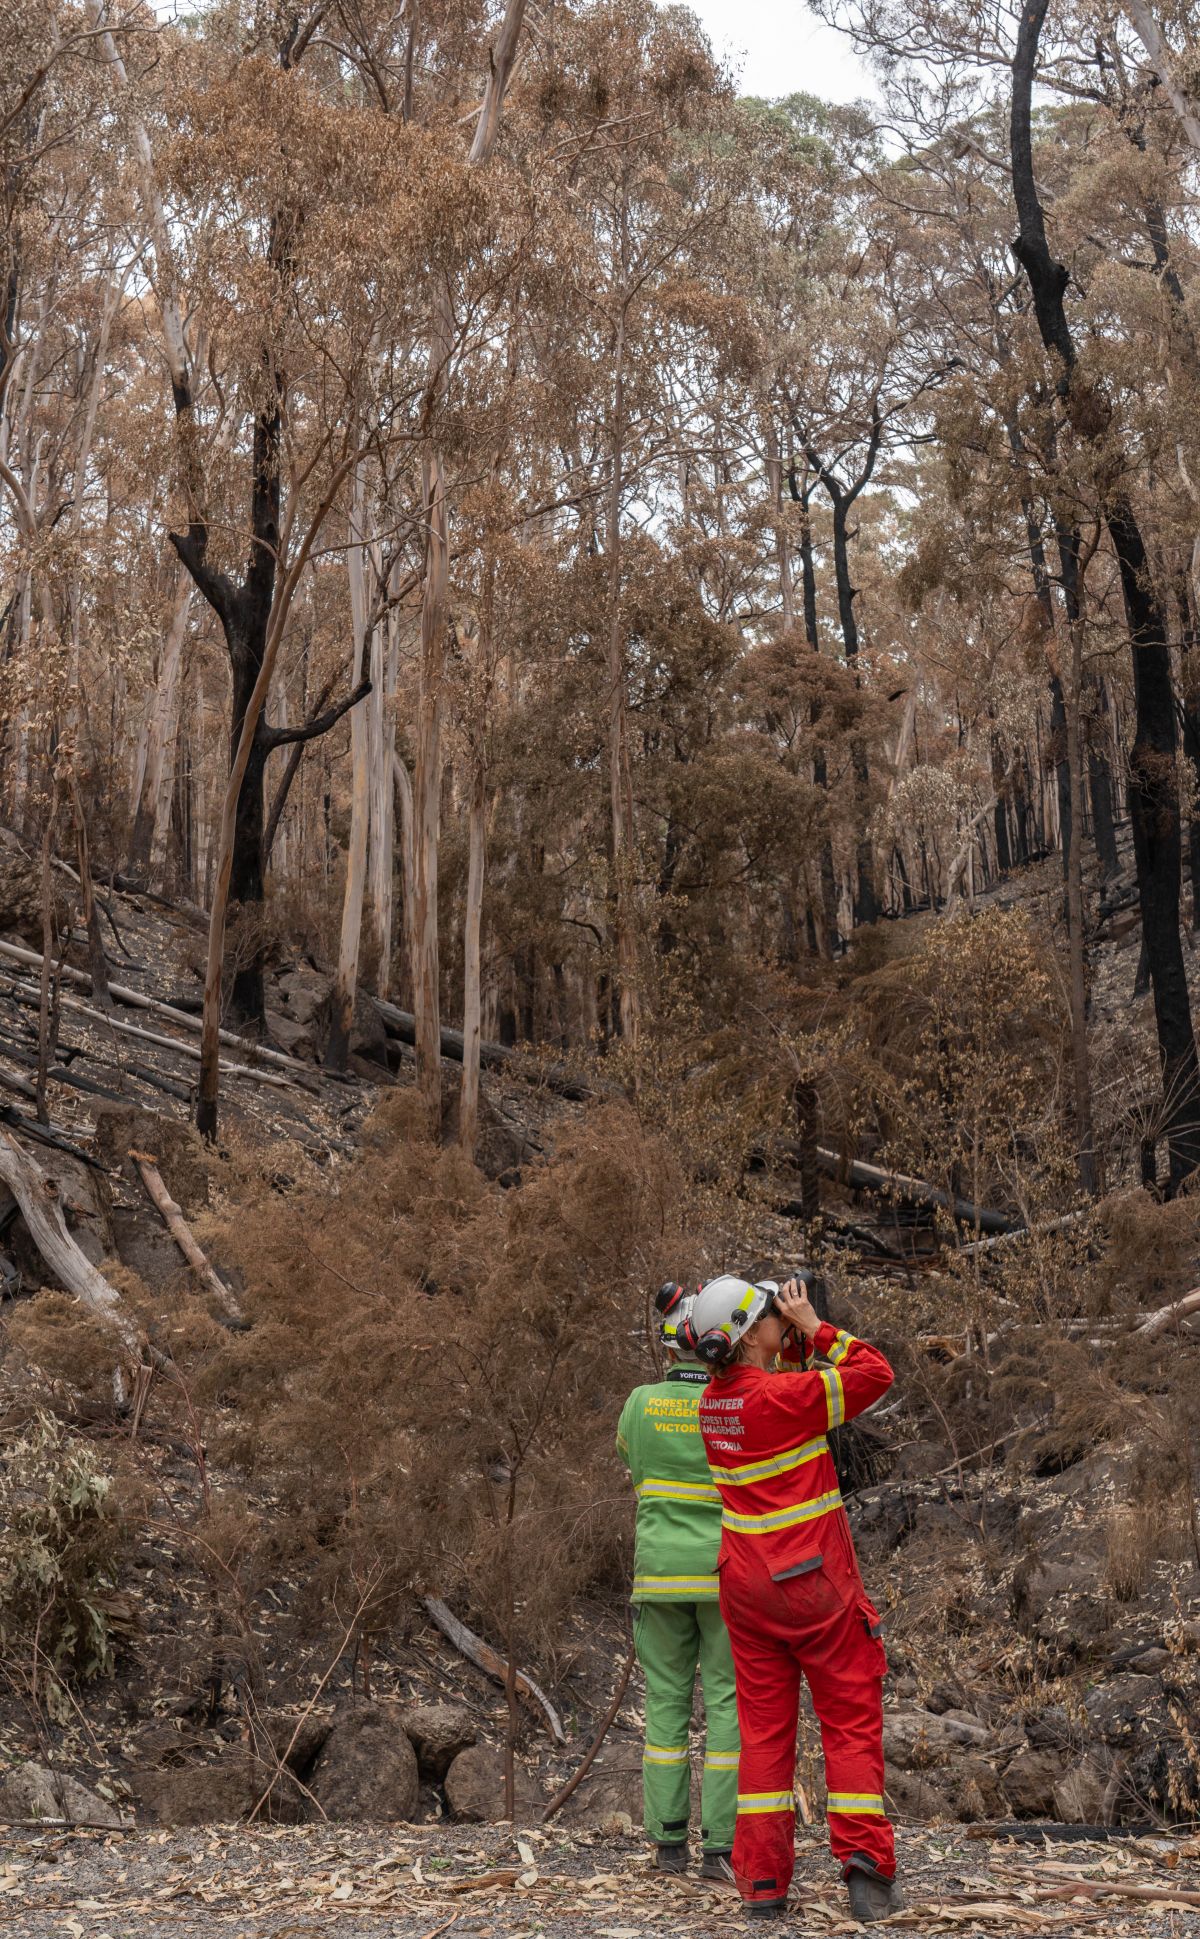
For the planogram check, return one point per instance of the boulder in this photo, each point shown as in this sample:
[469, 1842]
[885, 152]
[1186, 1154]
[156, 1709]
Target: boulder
[971, 1788]
[915, 1739]
[367, 1768]
[439, 1731]
[1029, 1782]
[612, 1789]
[1050, 1729]
[1056, 1594]
[1082, 1794]
[296, 1737]
[200, 1794]
[475, 1788]
[1123, 1709]
[914, 1795]
[35, 1791]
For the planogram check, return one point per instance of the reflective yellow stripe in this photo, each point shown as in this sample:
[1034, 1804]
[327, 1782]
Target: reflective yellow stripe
[838, 1351]
[689, 1587]
[804, 1511]
[777, 1464]
[721, 1760]
[751, 1801]
[676, 1491]
[834, 1395]
[866, 1804]
[665, 1754]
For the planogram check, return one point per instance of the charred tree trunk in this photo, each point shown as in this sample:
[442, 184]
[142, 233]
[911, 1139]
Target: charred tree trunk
[1153, 794]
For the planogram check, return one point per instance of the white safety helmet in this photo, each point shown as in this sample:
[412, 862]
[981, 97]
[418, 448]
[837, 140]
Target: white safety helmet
[721, 1314]
[673, 1302]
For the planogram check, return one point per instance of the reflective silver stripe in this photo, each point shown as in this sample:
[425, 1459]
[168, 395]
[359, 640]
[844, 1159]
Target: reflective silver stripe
[656, 1490]
[776, 1464]
[864, 1804]
[804, 1511]
[721, 1760]
[835, 1398]
[751, 1801]
[665, 1754]
[841, 1346]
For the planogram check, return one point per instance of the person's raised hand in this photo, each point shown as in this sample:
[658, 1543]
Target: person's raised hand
[796, 1309]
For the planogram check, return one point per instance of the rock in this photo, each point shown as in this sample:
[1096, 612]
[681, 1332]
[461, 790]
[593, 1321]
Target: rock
[439, 1731]
[296, 1038]
[1050, 1729]
[1122, 1709]
[915, 1739]
[367, 1768]
[35, 1791]
[1148, 1662]
[1056, 1595]
[913, 1795]
[296, 1737]
[971, 1788]
[944, 1697]
[1081, 1796]
[475, 1788]
[302, 992]
[611, 1789]
[200, 1794]
[1028, 1783]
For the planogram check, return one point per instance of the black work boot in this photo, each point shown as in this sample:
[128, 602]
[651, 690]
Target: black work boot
[872, 1896]
[671, 1858]
[715, 1864]
[767, 1908]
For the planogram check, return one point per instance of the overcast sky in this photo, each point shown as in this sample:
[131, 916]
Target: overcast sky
[779, 47]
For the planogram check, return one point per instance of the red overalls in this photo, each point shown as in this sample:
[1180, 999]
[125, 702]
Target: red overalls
[793, 1601]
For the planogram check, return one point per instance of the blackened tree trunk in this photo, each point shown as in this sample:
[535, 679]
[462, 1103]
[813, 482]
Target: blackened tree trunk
[829, 938]
[1153, 792]
[842, 498]
[1104, 829]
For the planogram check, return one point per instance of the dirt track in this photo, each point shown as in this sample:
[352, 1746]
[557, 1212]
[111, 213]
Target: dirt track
[482, 1883]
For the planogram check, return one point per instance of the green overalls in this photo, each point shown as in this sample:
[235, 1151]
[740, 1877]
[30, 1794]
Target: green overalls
[677, 1621]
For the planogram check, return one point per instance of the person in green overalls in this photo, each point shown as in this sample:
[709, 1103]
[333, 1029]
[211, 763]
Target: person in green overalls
[677, 1619]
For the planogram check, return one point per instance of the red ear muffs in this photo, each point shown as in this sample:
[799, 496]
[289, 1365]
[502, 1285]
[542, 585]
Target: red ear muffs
[668, 1296]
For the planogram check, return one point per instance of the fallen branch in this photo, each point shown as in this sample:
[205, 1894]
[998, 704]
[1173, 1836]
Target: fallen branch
[263, 1053]
[572, 1784]
[484, 1658]
[1095, 1888]
[179, 1229]
[40, 1200]
[913, 1191]
[1165, 1316]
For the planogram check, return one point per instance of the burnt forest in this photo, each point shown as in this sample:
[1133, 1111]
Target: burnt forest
[599, 684]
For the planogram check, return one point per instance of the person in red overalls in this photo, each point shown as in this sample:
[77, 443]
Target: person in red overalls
[791, 1593]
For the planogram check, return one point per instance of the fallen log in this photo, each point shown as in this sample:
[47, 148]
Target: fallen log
[263, 1053]
[103, 1020]
[402, 1025]
[1165, 1316]
[913, 1191]
[171, 1213]
[40, 1200]
[1024, 1231]
[477, 1651]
